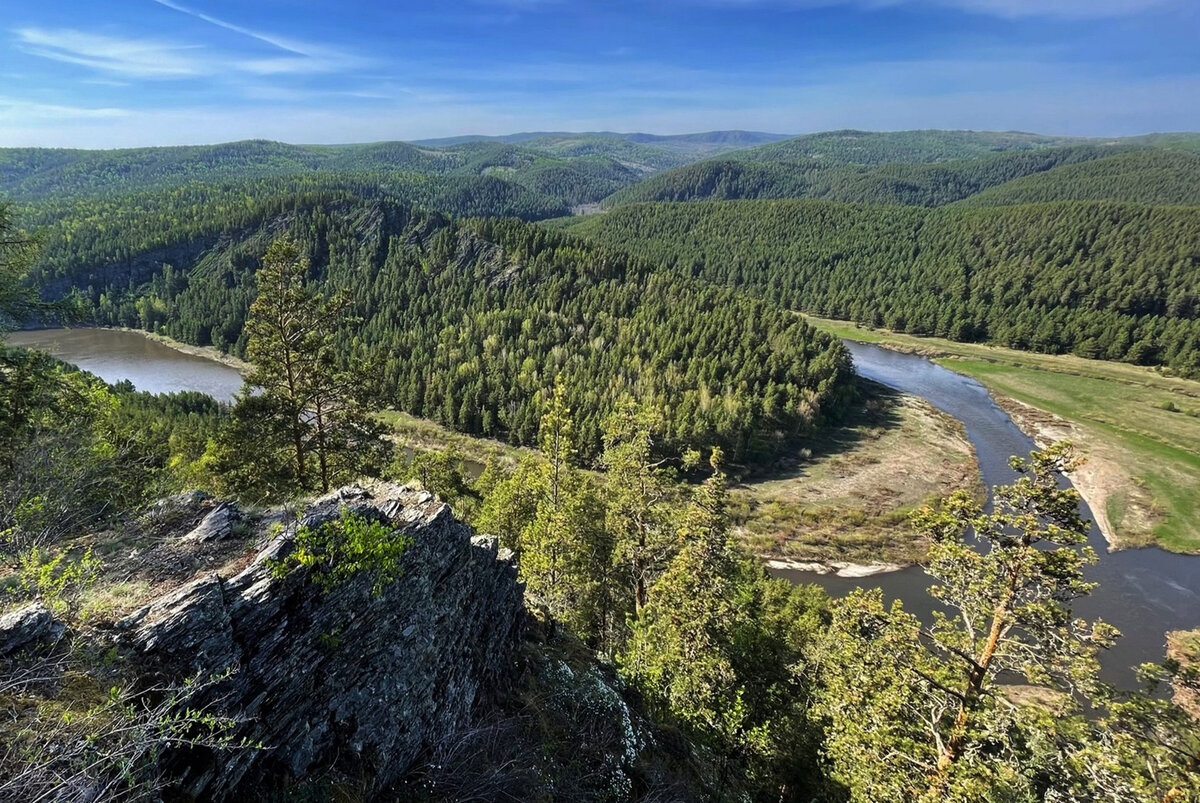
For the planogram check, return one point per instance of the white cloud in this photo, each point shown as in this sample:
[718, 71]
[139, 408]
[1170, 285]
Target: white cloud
[157, 59]
[306, 57]
[1071, 9]
[31, 111]
[138, 58]
[881, 96]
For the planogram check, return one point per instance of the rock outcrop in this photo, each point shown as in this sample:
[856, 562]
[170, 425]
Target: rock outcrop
[24, 626]
[340, 678]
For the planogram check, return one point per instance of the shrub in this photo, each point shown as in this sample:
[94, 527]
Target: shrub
[340, 549]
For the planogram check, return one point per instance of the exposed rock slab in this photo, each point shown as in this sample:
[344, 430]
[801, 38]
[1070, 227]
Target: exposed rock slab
[25, 626]
[342, 677]
[218, 525]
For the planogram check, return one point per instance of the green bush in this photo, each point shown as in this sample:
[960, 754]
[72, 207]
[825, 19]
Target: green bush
[339, 550]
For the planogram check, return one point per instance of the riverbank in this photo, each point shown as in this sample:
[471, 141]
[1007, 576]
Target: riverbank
[150, 364]
[207, 352]
[1184, 646]
[842, 505]
[1139, 429]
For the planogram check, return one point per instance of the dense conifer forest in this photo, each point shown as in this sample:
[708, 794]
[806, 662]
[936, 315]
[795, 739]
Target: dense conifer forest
[470, 323]
[646, 353]
[562, 169]
[1103, 280]
[1116, 171]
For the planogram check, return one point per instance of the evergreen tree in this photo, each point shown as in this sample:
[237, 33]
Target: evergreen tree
[564, 549]
[319, 403]
[637, 512]
[917, 712]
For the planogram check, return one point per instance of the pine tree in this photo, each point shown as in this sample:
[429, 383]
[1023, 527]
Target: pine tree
[564, 550]
[916, 712]
[636, 495]
[291, 348]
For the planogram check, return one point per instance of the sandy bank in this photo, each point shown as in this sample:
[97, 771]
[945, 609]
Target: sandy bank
[838, 568]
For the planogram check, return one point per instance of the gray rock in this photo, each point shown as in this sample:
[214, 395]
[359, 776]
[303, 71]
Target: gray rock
[27, 625]
[217, 525]
[346, 679]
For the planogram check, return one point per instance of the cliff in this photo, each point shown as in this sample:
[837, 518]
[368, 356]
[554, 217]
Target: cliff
[339, 679]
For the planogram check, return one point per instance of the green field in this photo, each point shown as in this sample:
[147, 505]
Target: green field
[1140, 429]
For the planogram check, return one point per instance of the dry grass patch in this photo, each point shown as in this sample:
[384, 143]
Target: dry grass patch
[848, 497]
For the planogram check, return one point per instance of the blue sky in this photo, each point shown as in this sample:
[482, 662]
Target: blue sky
[150, 72]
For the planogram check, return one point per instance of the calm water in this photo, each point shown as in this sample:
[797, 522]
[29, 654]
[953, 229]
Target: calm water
[1143, 592]
[151, 366]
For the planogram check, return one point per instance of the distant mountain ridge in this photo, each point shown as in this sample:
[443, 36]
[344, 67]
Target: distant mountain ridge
[742, 138]
[563, 170]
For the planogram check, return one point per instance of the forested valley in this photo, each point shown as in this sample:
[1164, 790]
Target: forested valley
[605, 386]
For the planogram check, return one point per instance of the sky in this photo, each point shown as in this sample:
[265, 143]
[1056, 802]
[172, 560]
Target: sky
[120, 73]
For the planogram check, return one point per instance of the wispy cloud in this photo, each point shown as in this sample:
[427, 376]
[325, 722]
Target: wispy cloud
[162, 59]
[30, 110]
[134, 57]
[305, 57]
[1070, 9]
[279, 42]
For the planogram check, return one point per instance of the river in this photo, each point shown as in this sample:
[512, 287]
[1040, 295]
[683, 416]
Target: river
[151, 366]
[1143, 592]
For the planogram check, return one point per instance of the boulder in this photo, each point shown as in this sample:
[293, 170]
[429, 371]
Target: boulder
[218, 525]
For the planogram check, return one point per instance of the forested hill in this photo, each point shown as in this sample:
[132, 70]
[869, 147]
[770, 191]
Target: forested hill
[657, 150]
[911, 183]
[36, 174]
[568, 168]
[1136, 170]
[1154, 176]
[887, 147]
[115, 244]
[1107, 280]
[470, 323]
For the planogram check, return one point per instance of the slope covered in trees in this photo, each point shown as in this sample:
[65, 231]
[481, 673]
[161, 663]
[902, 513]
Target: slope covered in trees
[914, 184]
[119, 242]
[36, 174]
[1099, 279]
[568, 168]
[470, 323]
[1157, 176]
[885, 147]
[654, 150]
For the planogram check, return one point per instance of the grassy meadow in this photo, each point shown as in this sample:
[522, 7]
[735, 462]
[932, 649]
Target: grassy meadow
[1139, 428]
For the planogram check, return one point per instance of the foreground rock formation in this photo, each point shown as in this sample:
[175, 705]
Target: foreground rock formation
[340, 679]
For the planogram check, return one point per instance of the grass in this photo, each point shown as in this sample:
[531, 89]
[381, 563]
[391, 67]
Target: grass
[847, 497]
[1139, 428]
[421, 434]
[1184, 647]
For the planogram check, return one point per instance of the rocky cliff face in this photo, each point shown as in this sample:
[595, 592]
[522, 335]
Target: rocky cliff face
[339, 679]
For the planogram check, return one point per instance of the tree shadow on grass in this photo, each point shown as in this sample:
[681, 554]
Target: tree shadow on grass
[876, 407]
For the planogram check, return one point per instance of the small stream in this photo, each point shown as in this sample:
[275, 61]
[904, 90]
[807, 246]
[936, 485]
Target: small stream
[1143, 592]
